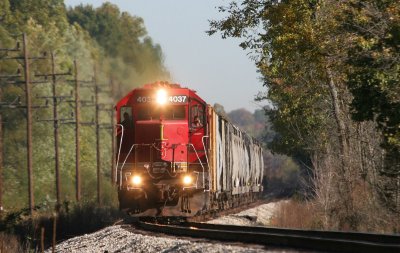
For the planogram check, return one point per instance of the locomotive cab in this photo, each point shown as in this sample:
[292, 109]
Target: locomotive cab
[162, 149]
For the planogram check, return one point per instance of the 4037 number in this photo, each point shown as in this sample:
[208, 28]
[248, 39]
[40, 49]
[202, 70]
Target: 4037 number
[171, 99]
[177, 99]
[144, 99]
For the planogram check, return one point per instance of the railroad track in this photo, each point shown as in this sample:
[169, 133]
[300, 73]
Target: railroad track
[303, 239]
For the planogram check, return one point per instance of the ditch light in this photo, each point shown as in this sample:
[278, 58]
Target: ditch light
[187, 180]
[136, 180]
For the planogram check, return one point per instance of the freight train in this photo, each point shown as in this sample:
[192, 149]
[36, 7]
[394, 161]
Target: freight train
[177, 156]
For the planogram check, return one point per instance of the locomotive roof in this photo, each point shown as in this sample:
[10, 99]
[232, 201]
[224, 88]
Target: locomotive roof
[156, 85]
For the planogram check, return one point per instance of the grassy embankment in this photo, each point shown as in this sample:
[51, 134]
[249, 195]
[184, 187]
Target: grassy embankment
[20, 232]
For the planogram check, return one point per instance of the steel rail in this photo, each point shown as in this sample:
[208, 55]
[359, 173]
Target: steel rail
[315, 240]
[369, 237]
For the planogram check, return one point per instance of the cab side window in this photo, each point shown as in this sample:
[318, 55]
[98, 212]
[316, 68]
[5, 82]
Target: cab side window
[197, 116]
[126, 117]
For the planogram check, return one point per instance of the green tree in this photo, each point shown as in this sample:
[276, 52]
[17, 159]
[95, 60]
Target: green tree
[43, 12]
[48, 29]
[131, 52]
[304, 50]
[374, 78]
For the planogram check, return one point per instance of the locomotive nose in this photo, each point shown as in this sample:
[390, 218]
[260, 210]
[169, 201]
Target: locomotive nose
[168, 139]
[147, 132]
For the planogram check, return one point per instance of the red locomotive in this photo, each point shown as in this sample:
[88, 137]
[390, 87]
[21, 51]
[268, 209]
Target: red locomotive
[176, 156]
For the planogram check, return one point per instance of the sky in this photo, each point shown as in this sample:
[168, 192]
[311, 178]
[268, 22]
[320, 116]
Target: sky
[218, 69]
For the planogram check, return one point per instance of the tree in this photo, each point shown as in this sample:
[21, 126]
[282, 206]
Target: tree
[43, 12]
[131, 52]
[132, 60]
[374, 79]
[303, 48]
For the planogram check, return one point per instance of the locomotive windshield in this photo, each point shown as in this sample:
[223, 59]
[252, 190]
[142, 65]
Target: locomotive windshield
[148, 113]
[175, 112]
[155, 113]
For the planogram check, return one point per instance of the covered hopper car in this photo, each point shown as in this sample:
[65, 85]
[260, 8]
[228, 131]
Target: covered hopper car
[176, 156]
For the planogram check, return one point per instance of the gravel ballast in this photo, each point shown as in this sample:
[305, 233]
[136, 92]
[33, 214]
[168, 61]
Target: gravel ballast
[118, 239]
[260, 216]
[122, 238]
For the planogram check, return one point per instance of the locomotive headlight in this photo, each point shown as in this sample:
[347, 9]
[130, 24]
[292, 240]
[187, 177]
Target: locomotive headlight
[136, 180]
[161, 97]
[187, 180]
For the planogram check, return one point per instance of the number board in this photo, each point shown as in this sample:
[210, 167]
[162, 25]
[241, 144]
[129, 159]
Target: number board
[173, 99]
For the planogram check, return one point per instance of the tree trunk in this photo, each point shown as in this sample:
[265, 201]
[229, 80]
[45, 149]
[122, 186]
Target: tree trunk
[343, 186]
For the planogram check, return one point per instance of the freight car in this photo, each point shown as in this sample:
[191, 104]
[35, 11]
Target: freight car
[177, 156]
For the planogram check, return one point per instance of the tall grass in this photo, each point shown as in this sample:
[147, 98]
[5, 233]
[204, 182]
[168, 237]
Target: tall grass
[309, 215]
[296, 214]
[25, 231]
[10, 243]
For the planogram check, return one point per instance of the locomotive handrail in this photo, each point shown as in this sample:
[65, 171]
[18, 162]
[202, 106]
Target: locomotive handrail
[208, 163]
[123, 164]
[133, 145]
[126, 158]
[155, 147]
[198, 158]
[119, 152]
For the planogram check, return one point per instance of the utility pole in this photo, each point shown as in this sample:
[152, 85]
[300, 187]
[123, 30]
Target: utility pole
[56, 123]
[78, 104]
[99, 108]
[77, 108]
[77, 143]
[28, 124]
[28, 107]
[78, 84]
[96, 92]
[56, 134]
[113, 163]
